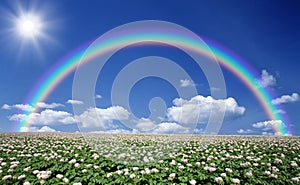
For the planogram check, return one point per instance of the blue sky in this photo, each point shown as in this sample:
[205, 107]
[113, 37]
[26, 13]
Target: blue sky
[266, 34]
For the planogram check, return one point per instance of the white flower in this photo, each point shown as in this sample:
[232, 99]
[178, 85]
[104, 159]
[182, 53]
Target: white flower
[296, 179]
[60, 176]
[65, 180]
[119, 172]
[180, 168]
[35, 172]
[108, 175]
[26, 183]
[132, 176]
[72, 161]
[279, 161]
[173, 162]
[43, 174]
[274, 176]
[235, 181]
[294, 164]
[223, 175]
[84, 170]
[198, 164]
[96, 167]
[249, 174]
[77, 183]
[192, 182]
[219, 179]
[27, 169]
[21, 177]
[147, 171]
[76, 165]
[154, 170]
[172, 176]
[6, 177]
[228, 170]
[267, 173]
[184, 160]
[135, 168]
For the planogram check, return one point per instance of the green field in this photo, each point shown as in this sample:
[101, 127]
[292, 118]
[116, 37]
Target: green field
[70, 158]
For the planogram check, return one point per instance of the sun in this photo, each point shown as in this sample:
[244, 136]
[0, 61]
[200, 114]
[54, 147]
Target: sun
[29, 26]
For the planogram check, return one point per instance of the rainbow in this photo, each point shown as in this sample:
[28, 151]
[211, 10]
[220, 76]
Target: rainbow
[226, 59]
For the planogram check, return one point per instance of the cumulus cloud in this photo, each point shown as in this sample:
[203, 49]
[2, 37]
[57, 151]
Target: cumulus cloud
[27, 107]
[101, 118]
[46, 117]
[187, 83]
[75, 102]
[169, 128]
[36, 129]
[286, 99]
[267, 79]
[242, 131]
[199, 108]
[144, 124]
[266, 126]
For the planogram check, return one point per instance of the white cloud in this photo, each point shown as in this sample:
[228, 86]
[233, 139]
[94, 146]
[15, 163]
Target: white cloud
[169, 128]
[198, 131]
[268, 125]
[6, 107]
[46, 129]
[36, 129]
[75, 102]
[117, 131]
[46, 117]
[286, 99]
[267, 133]
[102, 118]
[27, 107]
[187, 111]
[187, 83]
[267, 79]
[98, 96]
[145, 124]
[242, 131]
[48, 106]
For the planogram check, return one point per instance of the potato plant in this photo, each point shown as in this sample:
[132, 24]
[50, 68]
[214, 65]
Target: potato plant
[70, 158]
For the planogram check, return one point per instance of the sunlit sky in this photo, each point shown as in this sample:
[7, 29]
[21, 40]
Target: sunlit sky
[34, 35]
